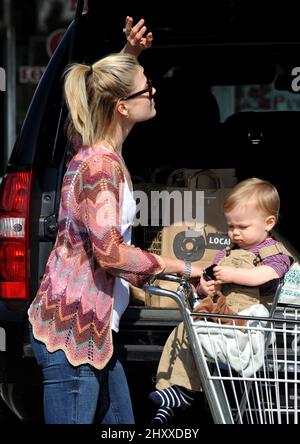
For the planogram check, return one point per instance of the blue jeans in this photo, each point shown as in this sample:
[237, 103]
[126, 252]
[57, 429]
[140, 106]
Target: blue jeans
[83, 394]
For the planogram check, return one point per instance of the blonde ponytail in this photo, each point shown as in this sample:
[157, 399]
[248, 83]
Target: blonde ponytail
[92, 93]
[77, 100]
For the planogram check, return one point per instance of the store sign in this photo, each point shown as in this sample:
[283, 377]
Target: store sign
[2, 79]
[31, 74]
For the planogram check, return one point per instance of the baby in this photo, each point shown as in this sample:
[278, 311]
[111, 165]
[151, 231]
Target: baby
[245, 274]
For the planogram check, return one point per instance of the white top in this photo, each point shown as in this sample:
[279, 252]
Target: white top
[121, 287]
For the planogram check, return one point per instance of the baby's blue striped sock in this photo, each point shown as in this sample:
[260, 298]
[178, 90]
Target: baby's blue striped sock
[174, 396]
[163, 416]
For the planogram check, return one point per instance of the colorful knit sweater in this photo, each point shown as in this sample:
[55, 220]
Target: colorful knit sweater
[72, 310]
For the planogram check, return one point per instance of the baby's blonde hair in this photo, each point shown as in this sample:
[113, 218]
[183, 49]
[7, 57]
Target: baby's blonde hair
[92, 93]
[261, 191]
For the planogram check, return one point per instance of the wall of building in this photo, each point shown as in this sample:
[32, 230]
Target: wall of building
[29, 33]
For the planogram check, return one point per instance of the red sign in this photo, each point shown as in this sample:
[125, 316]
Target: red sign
[53, 40]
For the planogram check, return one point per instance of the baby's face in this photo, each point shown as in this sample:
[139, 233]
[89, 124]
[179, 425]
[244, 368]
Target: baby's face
[248, 226]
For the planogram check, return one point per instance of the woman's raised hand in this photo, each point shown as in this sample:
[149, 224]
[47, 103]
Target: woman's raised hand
[137, 41]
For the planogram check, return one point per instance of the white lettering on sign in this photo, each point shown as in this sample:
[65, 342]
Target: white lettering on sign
[31, 74]
[217, 241]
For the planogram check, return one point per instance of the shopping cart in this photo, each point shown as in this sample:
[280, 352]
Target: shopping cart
[250, 374]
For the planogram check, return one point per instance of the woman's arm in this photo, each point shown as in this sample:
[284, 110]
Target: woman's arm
[98, 193]
[137, 41]
[173, 265]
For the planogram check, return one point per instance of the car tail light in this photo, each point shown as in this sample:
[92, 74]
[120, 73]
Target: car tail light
[14, 232]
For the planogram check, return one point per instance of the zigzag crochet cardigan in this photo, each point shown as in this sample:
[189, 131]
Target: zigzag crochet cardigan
[72, 310]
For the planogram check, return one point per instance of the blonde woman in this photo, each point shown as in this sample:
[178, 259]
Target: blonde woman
[84, 291]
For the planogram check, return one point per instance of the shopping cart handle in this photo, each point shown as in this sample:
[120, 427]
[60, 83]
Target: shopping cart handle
[158, 291]
[168, 277]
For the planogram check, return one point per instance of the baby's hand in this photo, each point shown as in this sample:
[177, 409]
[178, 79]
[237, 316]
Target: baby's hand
[208, 288]
[224, 274]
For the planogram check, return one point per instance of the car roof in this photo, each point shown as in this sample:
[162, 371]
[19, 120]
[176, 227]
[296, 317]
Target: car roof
[217, 21]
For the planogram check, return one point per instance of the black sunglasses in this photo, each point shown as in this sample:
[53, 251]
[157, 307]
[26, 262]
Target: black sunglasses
[149, 90]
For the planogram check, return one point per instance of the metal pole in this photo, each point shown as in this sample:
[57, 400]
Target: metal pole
[10, 94]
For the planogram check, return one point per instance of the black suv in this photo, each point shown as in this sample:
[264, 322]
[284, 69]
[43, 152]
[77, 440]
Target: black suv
[195, 55]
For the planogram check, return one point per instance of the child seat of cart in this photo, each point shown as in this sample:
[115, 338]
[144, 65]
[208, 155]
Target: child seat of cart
[243, 348]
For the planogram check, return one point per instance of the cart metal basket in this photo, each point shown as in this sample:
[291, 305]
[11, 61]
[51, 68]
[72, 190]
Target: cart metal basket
[250, 374]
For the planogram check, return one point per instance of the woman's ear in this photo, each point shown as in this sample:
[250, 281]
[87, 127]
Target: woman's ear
[270, 222]
[123, 109]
